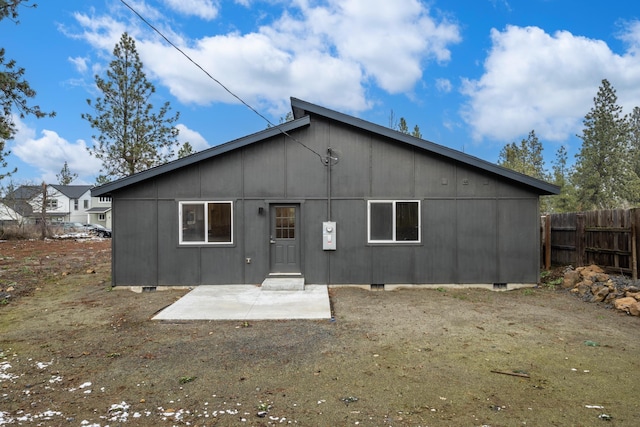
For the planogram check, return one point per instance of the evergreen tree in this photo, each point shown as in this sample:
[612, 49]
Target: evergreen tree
[132, 136]
[604, 176]
[185, 150]
[525, 158]
[65, 177]
[402, 126]
[416, 132]
[565, 201]
[14, 90]
[634, 142]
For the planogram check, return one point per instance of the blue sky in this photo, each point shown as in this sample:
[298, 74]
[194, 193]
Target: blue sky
[473, 75]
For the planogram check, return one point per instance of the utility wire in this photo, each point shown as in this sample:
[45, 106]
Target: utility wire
[322, 159]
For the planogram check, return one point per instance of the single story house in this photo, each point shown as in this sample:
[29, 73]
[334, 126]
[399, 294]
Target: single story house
[333, 199]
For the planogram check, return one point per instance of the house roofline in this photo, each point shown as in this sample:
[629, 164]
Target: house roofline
[302, 108]
[71, 191]
[284, 128]
[301, 111]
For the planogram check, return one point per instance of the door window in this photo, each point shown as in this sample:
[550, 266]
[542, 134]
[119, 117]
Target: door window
[285, 222]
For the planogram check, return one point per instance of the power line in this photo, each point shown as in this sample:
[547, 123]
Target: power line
[322, 159]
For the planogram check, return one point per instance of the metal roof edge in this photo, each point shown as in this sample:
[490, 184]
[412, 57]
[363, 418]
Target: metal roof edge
[200, 156]
[300, 107]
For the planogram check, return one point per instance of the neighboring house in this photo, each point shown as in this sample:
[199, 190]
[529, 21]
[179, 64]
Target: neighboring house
[72, 201]
[8, 216]
[19, 200]
[337, 200]
[100, 212]
[64, 203]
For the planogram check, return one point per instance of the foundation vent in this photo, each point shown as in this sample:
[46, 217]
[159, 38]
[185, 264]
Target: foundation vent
[502, 286]
[377, 286]
[148, 288]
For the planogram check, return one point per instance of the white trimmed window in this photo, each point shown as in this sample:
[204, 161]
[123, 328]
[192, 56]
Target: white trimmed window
[206, 222]
[394, 221]
[52, 203]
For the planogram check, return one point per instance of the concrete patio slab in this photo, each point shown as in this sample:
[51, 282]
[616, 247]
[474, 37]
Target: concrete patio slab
[249, 302]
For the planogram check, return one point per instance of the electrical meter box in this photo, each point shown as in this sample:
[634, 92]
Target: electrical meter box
[329, 236]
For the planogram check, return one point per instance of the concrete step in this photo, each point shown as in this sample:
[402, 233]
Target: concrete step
[283, 283]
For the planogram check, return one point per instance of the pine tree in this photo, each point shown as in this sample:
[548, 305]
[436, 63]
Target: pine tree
[132, 136]
[634, 142]
[416, 132]
[565, 201]
[525, 158]
[65, 177]
[185, 150]
[402, 126]
[604, 176]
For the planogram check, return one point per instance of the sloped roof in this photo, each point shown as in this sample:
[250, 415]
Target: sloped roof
[72, 191]
[301, 111]
[200, 156]
[25, 192]
[302, 108]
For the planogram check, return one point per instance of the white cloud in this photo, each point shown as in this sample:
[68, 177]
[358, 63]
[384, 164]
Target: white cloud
[49, 152]
[80, 64]
[205, 9]
[542, 82]
[329, 53]
[444, 85]
[193, 137]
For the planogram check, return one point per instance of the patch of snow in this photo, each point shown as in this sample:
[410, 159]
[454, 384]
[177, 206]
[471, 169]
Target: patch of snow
[43, 365]
[119, 412]
[4, 375]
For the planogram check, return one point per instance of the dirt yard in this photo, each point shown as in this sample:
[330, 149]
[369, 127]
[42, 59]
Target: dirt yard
[73, 352]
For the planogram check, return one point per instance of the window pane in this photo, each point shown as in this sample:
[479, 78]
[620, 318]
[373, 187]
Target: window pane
[381, 221]
[219, 222]
[285, 222]
[407, 221]
[193, 223]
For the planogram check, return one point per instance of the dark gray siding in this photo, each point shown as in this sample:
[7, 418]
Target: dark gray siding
[477, 227]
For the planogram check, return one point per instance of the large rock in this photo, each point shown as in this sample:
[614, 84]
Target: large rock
[593, 273]
[629, 305]
[571, 278]
[583, 289]
[600, 293]
[635, 295]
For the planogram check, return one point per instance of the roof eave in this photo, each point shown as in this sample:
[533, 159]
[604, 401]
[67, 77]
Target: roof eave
[106, 189]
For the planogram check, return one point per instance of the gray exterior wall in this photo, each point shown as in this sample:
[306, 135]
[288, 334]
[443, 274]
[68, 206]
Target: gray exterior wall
[477, 227]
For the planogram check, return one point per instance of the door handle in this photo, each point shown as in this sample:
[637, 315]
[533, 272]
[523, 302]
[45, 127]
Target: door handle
[271, 240]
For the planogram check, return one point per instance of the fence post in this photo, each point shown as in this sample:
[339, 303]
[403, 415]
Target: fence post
[547, 242]
[580, 240]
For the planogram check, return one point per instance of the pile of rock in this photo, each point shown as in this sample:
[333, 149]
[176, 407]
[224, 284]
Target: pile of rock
[592, 284]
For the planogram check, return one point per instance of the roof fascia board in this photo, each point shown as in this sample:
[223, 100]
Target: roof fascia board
[202, 155]
[300, 108]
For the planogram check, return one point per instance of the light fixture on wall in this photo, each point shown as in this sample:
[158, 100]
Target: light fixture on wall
[260, 210]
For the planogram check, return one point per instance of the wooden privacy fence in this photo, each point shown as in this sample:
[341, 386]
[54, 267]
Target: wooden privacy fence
[607, 238]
